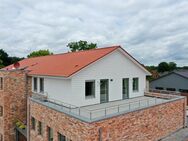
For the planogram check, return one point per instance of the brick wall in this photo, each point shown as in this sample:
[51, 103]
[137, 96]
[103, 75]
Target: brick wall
[13, 98]
[148, 124]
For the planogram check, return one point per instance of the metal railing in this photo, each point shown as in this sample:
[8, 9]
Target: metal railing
[109, 110]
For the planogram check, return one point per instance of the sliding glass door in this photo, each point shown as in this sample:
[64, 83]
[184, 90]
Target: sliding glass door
[125, 88]
[104, 90]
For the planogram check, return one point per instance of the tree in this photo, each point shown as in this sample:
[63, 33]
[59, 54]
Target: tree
[163, 66]
[39, 53]
[5, 60]
[172, 66]
[81, 45]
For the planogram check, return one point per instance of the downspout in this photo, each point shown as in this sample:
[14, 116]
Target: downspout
[28, 107]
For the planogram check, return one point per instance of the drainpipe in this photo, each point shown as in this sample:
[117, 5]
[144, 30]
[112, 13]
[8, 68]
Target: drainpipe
[100, 134]
[28, 107]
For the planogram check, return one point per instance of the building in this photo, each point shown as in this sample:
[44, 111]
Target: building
[93, 95]
[173, 81]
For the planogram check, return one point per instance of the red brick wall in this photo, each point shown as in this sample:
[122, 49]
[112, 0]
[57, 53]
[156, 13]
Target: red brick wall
[13, 99]
[148, 124]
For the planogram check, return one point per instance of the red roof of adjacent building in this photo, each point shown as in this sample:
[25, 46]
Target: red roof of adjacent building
[64, 64]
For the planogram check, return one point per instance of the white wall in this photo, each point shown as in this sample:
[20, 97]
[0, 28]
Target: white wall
[56, 88]
[59, 89]
[114, 66]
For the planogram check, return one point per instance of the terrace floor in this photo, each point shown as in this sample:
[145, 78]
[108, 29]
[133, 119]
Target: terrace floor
[101, 111]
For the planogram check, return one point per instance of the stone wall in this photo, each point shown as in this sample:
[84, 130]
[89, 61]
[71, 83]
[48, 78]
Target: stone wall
[149, 124]
[14, 101]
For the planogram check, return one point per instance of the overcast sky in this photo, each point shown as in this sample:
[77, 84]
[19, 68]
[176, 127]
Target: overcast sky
[151, 30]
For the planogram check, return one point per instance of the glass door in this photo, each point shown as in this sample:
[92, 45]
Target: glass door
[104, 86]
[125, 88]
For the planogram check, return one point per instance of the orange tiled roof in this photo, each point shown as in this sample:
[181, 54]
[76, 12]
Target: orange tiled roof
[64, 64]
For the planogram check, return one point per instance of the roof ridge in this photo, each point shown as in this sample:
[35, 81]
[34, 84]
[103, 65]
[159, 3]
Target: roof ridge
[100, 48]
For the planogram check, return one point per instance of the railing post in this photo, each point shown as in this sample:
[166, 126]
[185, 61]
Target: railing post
[90, 114]
[148, 102]
[118, 108]
[69, 109]
[129, 106]
[105, 112]
[79, 111]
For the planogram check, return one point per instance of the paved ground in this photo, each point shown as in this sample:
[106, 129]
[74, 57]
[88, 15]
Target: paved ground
[181, 135]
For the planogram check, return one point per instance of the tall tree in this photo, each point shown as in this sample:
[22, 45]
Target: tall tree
[81, 45]
[39, 53]
[163, 66]
[172, 66]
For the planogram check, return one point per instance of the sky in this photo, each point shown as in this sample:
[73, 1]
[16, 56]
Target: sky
[151, 30]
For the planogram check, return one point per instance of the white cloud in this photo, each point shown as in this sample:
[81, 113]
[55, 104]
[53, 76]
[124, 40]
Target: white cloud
[152, 31]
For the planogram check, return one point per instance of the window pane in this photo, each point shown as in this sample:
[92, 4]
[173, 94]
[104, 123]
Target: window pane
[170, 89]
[1, 111]
[61, 137]
[159, 88]
[33, 123]
[50, 134]
[90, 88]
[1, 83]
[35, 84]
[40, 128]
[135, 84]
[41, 84]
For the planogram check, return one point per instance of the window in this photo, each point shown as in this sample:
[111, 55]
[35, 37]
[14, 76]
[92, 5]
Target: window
[135, 84]
[33, 122]
[61, 137]
[90, 88]
[159, 88]
[183, 90]
[41, 85]
[125, 88]
[1, 137]
[1, 83]
[170, 89]
[35, 84]
[39, 128]
[1, 111]
[50, 134]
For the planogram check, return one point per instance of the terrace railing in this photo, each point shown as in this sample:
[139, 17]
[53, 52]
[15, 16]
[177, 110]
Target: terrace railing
[110, 110]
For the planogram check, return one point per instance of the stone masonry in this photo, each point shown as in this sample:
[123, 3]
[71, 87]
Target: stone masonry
[13, 99]
[149, 124]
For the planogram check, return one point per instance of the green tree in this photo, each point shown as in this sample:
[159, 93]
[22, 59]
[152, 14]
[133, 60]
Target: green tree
[172, 66]
[39, 53]
[81, 45]
[163, 66]
[5, 60]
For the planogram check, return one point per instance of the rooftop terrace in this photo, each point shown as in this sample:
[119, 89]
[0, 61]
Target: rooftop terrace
[98, 112]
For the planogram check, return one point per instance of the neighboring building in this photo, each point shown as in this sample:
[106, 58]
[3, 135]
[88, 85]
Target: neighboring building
[93, 95]
[173, 81]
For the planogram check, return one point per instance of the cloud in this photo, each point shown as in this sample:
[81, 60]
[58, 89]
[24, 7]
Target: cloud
[152, 31]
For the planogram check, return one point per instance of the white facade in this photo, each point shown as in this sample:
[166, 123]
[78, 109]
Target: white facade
[114, 67]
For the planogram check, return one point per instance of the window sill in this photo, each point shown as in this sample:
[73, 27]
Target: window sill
[89, 97]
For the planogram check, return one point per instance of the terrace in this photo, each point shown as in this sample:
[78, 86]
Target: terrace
[98, 112]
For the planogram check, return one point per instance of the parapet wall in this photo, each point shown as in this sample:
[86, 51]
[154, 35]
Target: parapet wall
[149, 124]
